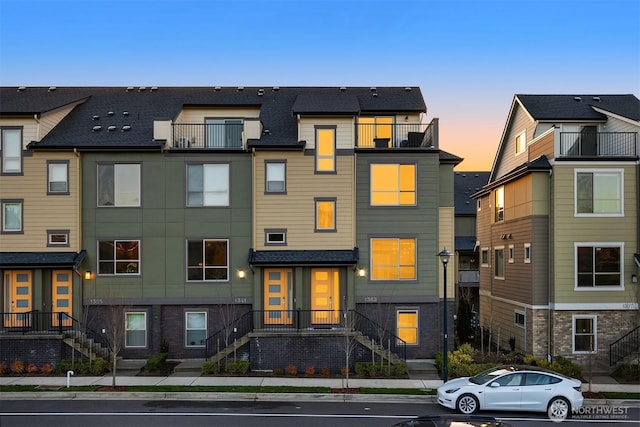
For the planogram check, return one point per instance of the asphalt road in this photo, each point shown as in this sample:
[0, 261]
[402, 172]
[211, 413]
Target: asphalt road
[161, 413]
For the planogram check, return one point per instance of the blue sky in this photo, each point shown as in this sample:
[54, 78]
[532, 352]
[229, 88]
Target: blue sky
[468, 57]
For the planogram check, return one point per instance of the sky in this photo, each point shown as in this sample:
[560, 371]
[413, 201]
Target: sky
[469, 57]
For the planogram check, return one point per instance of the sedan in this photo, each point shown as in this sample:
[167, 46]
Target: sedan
[513, 388]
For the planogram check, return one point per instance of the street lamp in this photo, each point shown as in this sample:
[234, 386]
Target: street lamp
[444, 257]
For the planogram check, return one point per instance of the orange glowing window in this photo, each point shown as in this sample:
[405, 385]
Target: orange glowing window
[393, 185]
[393, 259]
[325, 149]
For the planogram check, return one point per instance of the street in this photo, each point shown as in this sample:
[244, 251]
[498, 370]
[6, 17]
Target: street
[161, 413]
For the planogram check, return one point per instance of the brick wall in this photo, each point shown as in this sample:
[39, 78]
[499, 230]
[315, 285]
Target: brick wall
[34, 349]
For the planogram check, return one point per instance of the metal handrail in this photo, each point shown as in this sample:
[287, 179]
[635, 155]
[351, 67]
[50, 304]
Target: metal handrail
[582, 144]
[624, 346]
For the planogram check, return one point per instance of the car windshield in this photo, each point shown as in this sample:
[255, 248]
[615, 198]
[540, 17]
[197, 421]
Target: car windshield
[489, 374]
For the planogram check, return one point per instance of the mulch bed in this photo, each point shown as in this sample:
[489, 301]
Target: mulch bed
[350, 390]
[112, 388]
[593, 395]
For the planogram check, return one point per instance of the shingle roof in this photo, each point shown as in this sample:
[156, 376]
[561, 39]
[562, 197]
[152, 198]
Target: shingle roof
[465, 243]
[304, 257]
[580, 107]
[465, 184]
[41, 259]
[138, 108]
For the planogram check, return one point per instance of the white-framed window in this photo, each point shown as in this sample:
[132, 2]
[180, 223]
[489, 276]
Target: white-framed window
[527, 253]
[599, 266]
[499, 204]
[275, 176]
[195, 323]
[393, 258]
[511, 254]
[521, 142]
[57, 177]
[407, 325]
[599, 192]
[498, 262]
[208, 260]
[325, 148]
[479, 204]
[325, 214]
[585, 336]
[12, 216]
[119, 185]
[118, 257]
[135, 329]
[519, 318]
[11, 149]
[275, 237]
[484, 257]
[58, 238]
[393, 184]
[208, 184]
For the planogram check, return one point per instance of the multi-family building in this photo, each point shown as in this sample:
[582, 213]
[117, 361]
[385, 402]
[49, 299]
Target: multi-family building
[270, 223]
[558, 228]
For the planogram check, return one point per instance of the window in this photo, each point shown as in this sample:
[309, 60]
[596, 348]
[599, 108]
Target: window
[598, 265]
[519, 318]
[393, 259]
[511, 380]
[57, 237]
[499, 204]
[224, 133]
[208, 185]
[118, 257]
[11, 148]
[407, 321]
[511, 254]
[275, 237]
[479, 204]
[207, 260]
[325, 149]
[584, 334]
[325, 214]
[57, 177]
[11, 216]
[195, 328]
[499, 262]
[599, 192]
[275, 177]
[393, 185]
[484, 257]
[119, 185]
[540, 379]
[527, 253]
[521, 142]
[135, 329]
[371, 129]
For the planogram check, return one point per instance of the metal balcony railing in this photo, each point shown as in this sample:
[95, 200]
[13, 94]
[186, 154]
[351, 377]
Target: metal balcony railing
[598, 144]
[208, 135]
[397, 135]
[468, 276]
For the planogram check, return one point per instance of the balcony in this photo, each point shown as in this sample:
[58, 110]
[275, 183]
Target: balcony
[397, 135]
[598, 144]
[468, 276]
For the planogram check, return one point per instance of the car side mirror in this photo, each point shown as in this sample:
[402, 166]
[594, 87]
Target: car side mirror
[494, 384]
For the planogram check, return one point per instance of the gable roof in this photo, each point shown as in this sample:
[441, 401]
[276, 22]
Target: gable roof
[465, 184]
[579, 107]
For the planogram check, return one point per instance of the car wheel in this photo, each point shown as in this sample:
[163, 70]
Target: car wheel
[467, 404]
[559, 408]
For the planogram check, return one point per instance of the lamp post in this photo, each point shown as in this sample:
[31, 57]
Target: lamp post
[444, 258]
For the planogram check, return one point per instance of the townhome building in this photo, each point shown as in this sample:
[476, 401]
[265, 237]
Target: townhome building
[265, 223]
[558, 228]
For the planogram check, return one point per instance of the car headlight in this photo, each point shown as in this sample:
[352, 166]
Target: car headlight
[452, 390]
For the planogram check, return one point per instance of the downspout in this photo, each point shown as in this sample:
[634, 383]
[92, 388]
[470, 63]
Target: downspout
[550, 267]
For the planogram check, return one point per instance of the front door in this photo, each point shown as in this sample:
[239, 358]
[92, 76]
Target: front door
[278, 290]
[325, 296]
[18, 290]
[61, 296]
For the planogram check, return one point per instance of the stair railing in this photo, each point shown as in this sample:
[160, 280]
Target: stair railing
[624, 346]
[238, 328]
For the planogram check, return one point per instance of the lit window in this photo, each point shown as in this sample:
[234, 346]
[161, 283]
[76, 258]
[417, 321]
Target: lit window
[58, 177]
[195, 329]
[11, 149]
[499, 204]
[499, 263]
[325, 149]
[598, 266]
[11, 216]
[393, 185]
[521, 143]
[408, 326]
[325, 214]
[599, 192]
[393, 259]
[527, 253]
[119, 257]
[208, 185]
[275, 177]
[135, 329]
[119, 185]
[585, 338]
[57, 237]
[207, 260]
[371, 129]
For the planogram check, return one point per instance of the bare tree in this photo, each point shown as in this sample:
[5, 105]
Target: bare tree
[349, 342]
[115, 332]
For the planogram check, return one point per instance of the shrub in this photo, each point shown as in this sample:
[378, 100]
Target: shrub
[566, 367]
[32, 368]
[156, 362]
[3, 368]
[47, 368]
[400, 369]
[63, 366]
[236, 366]
[99, 366]
[627, 372]
[278, 372]
[210, 368]
[291, 370]
[310, 370]
[325, 371]
[344, 370]
[17, 367]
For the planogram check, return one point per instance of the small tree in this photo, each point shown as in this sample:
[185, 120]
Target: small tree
[349, 342]
[115, 334]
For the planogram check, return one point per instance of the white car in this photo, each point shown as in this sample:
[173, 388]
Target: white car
[513, 388]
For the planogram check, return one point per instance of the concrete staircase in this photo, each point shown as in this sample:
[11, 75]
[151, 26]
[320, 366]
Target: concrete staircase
[422, 369]
[377, 348]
